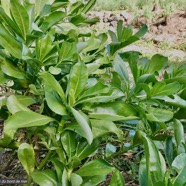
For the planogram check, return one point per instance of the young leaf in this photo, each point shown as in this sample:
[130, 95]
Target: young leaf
[39, 6]
[45, 177]
[77, 81]
[20, 16]
[118, 178]
[26, 156]
[86, 130]
[95, 168]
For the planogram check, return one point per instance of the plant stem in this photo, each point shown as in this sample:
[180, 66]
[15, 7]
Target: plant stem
[121, 151]
[43, 163]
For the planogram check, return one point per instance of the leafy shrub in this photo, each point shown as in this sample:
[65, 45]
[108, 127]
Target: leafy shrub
[69, 89]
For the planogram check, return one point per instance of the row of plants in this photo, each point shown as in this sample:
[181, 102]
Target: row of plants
[65, 90]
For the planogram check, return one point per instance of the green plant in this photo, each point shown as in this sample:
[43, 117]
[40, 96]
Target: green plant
[70, 91]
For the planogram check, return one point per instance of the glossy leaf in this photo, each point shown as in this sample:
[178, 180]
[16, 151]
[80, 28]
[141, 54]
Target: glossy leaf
[45, 177]
[53, 101]
[26, 156]
[117, 178]
[51, 82]
[159, 115]
[95, 168]
[121, 69]
[103, 127]
[39, 6]
[156, 63]
[163, 89]
[20, 16]
[114, 111]
[11, 70]
[77, 81]
[75, 179]
[86, 130]
[24, 119]
[88, 6]
[14, 105]
[179, 162]
[6, 6]
[10, 43]
[179, 132]
[154, 162]
[94, 180]
[181, 178]
[68, 141]
[84, 149]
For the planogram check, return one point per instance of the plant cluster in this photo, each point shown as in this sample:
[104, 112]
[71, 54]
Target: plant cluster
[65, 91]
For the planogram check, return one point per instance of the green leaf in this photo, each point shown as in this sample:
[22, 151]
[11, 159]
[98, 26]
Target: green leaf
[52, 19]
[98, 88]
[14, 105]
[157, 63]
[121, 69]
[9, 43]
[51, 82]
[86, 130]
[159, 115]
[179, 132]
[59, 167]
[169, 151]
[45, 178]
[155, 165]
[103, 127]
[39, 6]
[84, 149]
[77, 81]
[26, 156]
[68, 140]
[118, 178]
[54, 70]
[181, 178]
[179, 162]
[54, 101]
[88, 6]
[9, 22]
[24, 119]
[114, 111]
[6, 6]
[11, 70]
[94, 180]
[20, 16]
[143, 174]
[143, 30]
[95, 168]
[66, 51]
[163, 89]
[75, 179]
[175, 100]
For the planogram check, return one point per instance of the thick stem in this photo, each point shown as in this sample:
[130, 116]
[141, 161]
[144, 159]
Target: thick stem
[45, 160]
[121, 152]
